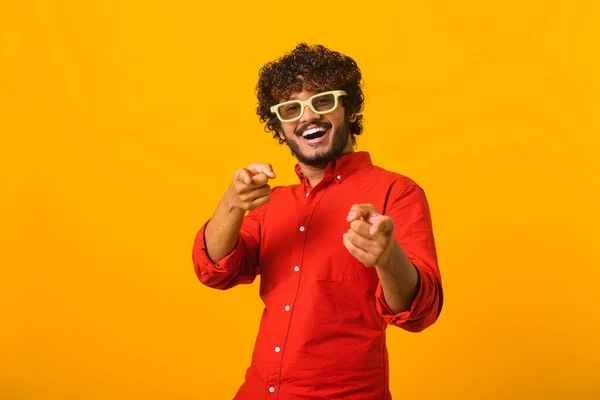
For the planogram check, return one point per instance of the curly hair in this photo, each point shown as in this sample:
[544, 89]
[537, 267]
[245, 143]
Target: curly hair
[317, 69]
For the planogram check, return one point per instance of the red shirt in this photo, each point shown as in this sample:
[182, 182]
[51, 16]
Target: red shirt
[322, 332]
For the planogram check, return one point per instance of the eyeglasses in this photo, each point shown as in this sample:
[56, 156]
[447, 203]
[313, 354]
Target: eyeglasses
[320, 103]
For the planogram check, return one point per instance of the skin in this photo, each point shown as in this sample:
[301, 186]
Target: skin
[370, 235]
[336, 141]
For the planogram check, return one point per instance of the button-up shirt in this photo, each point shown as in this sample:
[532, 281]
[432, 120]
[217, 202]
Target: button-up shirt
[322, 332]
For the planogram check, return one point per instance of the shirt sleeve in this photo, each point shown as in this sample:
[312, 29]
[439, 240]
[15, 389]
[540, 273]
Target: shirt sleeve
[238, 267]
[413, 230]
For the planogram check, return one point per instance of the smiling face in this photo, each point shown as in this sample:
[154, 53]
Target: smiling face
[316, 139]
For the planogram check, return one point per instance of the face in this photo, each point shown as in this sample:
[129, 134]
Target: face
[316, 139]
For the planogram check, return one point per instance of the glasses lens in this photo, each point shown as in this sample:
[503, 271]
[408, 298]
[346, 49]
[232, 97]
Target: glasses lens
[324, 102]
[290, 110]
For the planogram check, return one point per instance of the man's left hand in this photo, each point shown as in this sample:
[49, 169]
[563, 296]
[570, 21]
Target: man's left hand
[370, 238]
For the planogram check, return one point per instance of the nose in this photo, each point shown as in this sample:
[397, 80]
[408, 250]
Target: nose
[308, 115]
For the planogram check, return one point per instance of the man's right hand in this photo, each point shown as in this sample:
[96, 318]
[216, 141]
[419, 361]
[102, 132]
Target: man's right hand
[250, 188]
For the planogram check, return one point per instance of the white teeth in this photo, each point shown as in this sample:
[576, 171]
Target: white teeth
[311, 131]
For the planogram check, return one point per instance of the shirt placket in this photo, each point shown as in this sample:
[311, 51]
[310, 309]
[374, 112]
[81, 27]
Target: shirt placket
[310, 201]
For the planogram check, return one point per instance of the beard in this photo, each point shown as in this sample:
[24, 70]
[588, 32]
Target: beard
[341, 135]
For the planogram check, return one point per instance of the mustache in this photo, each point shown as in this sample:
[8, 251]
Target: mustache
[318, 124]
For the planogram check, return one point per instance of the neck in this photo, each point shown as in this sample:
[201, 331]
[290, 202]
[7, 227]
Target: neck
[315, 173]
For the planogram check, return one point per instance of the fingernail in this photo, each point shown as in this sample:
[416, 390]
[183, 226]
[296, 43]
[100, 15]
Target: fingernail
[351, 215]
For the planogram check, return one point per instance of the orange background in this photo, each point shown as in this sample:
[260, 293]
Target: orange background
[122, 122]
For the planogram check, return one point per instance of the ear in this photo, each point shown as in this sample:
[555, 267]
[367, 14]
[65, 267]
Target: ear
[352, 118]
[281, 135]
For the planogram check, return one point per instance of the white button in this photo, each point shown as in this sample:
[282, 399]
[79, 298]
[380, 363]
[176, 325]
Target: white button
[296, 268]
[271, 389]
[301, 229]
[339, 177]
[307, 194]
[287, 308]
[277, 349]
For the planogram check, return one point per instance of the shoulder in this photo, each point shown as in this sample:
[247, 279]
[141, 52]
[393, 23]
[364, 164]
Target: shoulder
[394, 180]
[405, 198]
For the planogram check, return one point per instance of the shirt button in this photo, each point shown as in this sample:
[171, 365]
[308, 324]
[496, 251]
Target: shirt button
[277, 349]
[307, 194]
[338, 177]
[301, 229]
[287, 308]
[271, 389]
[296, 268]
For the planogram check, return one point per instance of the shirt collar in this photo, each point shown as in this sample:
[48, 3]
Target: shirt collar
[341, 167]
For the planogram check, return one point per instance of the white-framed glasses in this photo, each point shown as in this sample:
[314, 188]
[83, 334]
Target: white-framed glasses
[320, 103]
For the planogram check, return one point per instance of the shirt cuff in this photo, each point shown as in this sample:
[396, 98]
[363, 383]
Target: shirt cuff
[205, 264]
[400, 318]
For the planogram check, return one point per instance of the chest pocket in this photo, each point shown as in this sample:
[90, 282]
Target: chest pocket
[339, 266]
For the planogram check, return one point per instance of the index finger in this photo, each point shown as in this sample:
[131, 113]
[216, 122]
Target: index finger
[260, 179]
[361, 211]
[383, 225]
[262, 168]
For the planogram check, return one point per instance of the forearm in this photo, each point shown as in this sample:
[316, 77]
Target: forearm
[223, 229]
[399, 279]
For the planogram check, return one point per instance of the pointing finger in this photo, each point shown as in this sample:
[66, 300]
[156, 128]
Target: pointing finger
[259, 168]
[260, 179]
[382, 225]
[361, 211]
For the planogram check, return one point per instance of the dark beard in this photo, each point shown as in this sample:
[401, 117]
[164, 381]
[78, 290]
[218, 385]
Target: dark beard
[340, 140]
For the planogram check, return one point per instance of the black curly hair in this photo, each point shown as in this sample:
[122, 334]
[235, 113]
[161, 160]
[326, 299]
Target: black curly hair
[316, 68]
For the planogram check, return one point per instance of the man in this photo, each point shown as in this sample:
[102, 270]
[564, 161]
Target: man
[342, 254]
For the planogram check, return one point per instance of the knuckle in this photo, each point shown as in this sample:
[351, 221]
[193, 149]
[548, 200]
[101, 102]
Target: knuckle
[245, 197]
